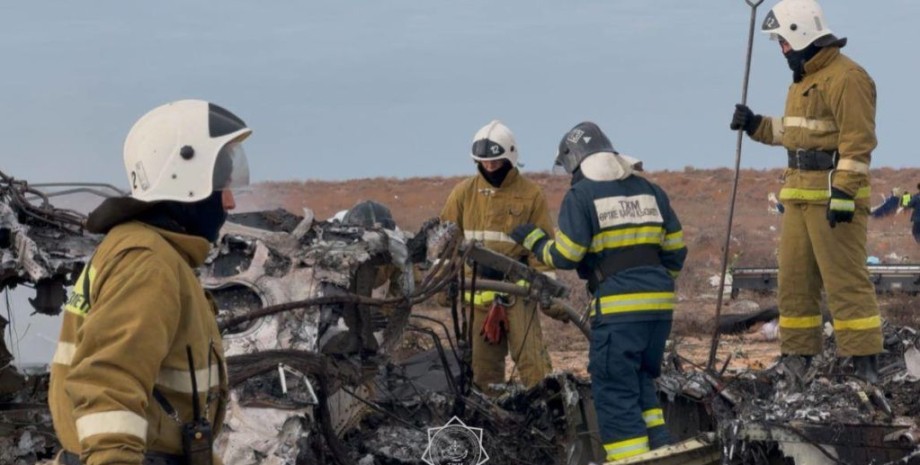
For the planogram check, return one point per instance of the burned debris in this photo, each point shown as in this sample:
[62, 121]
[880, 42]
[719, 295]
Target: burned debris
[811, 412]
[313, 314]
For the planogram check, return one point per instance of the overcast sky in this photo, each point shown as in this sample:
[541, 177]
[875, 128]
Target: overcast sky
[340, 89]
[348, 89]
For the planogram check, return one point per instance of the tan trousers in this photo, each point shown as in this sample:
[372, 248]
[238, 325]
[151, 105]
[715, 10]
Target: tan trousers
[812, 255]
[527, 348]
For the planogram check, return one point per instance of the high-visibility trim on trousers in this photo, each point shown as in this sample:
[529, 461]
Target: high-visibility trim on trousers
[112, 422]
[628, 448]
[800, 322]
[653, 417]
[857, 324]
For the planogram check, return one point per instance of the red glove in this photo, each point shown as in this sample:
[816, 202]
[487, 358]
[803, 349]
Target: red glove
[496, 323]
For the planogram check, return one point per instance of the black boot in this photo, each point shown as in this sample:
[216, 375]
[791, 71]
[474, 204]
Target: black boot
[866, 367]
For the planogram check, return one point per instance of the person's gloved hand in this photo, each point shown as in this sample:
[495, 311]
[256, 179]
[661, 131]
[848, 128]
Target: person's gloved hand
[528, 235]
[745, 119]
[496, 322]
[555, 311]
[840, 208]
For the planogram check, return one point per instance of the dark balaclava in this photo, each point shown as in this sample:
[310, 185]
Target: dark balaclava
[497, 177]
[797, 60]
[203, 218]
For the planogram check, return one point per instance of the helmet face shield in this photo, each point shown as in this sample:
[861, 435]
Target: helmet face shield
[231, 169]
[485, 149]
[566, 162]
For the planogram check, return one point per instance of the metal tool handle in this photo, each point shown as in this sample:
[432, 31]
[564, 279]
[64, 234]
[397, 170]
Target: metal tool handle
[731, 209]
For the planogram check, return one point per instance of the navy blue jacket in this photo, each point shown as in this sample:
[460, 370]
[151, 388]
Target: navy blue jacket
[600, 218]
[915, 204]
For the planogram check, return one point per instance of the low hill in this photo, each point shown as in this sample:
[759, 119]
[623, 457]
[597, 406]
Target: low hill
[700, 198]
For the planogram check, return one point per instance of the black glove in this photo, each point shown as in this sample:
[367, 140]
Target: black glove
[840, 208]
[745, 119]
[528, 235]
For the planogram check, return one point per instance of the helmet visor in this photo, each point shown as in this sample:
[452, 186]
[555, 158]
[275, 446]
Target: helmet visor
[231, 169]
[485, 149]
[566, 163]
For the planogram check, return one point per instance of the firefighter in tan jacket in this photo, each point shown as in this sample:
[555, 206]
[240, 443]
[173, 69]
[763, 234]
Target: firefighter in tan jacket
[828, 130]
[487, 207]
[138, 325]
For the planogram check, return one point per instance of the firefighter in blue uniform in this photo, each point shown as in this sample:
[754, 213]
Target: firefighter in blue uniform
[618, 231]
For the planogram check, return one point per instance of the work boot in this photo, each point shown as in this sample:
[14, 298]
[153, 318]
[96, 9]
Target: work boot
[866, 367]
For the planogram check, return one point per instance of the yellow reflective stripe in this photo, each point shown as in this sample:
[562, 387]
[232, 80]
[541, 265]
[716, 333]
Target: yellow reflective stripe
[626, 237]
[77, 303]
[181, 380]
[674, 274]
[496, 236]
[628, 448]
[640, 301]
[857, 324]
[569, 249]
[800, 322]
[114, 422]
[843, 205]
[63, 354]
[653, 417]
[905, 200]
[810, 124]
[789, 193]
[547, 253]
[532, 238]
[847, 164]
[481, 297]
[673, 241]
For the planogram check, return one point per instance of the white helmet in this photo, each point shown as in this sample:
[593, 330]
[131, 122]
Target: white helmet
[494, 142]
[798, 22]
[185, 150]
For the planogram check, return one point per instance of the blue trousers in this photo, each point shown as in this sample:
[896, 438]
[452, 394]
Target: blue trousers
[624, 360]
[916, 231]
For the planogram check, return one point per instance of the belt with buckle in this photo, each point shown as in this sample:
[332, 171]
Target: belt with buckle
[812, 160]
[150, 458]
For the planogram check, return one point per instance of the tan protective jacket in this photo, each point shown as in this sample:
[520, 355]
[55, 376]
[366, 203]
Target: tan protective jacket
[832, 108]
[489, 214]
[133, 311]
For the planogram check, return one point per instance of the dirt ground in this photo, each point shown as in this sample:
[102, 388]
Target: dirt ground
[699, 197]
[691, 335]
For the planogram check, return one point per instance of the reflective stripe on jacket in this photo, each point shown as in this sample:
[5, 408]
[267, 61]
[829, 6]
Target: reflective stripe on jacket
[489, 214]
[831, 108]
[603, 218]
[129, 336]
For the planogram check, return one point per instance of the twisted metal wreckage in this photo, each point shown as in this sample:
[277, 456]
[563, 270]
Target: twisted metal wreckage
[317, 376]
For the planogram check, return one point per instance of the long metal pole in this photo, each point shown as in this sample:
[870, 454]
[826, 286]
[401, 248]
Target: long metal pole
[731, 208]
